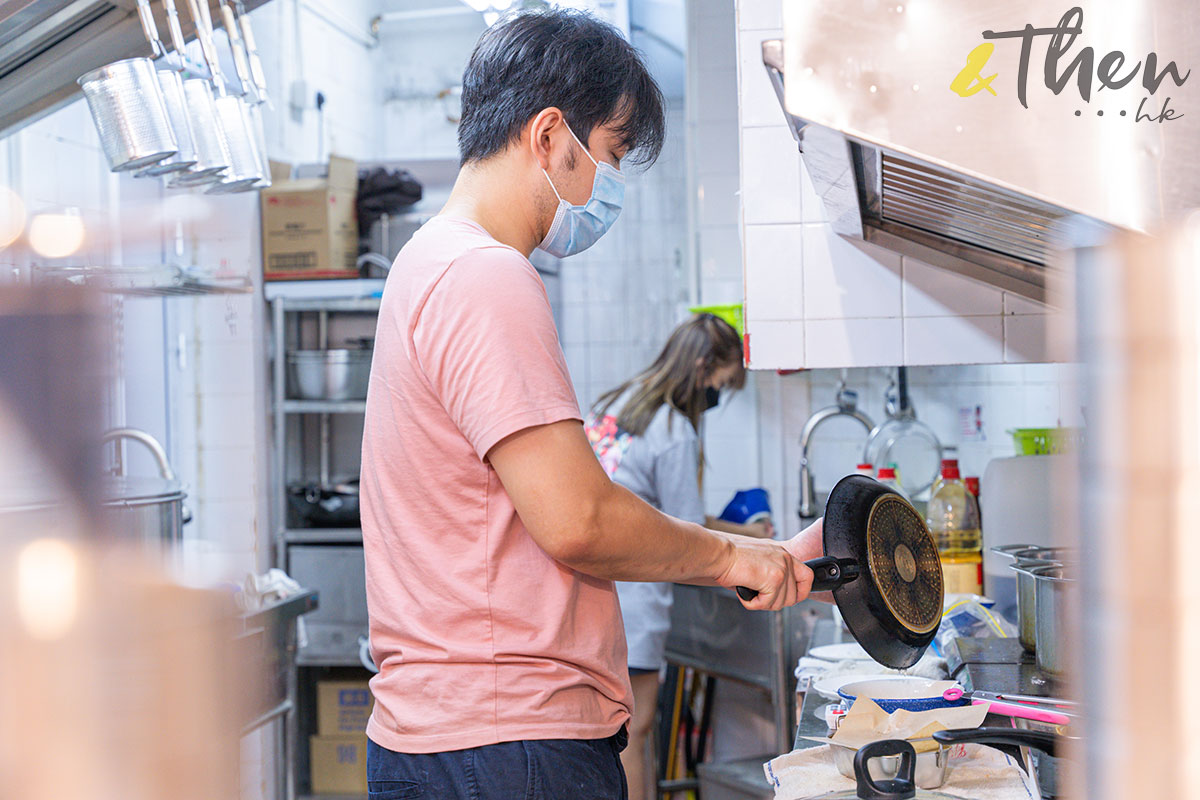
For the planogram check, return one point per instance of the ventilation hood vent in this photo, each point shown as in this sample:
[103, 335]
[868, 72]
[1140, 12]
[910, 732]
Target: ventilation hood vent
[989, 184]
[45, 45]
[927, 210]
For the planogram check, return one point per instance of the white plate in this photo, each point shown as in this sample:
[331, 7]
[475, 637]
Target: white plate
[828, 685]
[847, 651]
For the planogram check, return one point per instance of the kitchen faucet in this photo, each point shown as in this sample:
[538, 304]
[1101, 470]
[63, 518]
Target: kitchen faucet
[847, 406]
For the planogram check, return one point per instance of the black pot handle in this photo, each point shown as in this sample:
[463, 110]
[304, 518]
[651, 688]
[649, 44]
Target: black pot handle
[828, 573]
[902, 787]
[1007, 740]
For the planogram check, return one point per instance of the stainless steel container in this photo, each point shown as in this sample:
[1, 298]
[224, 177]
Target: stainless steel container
[1057, 592]
[1024, 560]
[126, 103]
[1027, 600]
[328, 374]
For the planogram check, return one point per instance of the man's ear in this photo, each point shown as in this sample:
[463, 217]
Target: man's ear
[543, 124]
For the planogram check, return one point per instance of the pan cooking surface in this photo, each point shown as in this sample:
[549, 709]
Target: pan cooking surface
[904, 564]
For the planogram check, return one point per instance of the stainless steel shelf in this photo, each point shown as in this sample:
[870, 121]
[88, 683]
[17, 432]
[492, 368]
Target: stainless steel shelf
[322, 535]
[363, 305]
[324, 406]
[160, 280]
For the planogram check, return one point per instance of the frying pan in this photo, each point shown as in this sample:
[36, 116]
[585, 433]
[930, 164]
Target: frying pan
[881, 563]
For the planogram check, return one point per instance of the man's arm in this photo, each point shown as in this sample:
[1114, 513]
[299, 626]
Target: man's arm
[583, 519]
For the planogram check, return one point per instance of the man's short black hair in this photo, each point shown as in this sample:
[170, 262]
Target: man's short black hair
[562, 58]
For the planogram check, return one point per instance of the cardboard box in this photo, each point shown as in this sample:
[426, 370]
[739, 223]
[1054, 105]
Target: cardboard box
[338, 764]
[309, 226]
[343, 707]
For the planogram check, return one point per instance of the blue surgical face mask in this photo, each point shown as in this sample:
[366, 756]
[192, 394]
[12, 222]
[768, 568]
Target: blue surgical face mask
[576, 228]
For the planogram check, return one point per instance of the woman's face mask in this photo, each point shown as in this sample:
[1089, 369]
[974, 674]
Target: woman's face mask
[712, 396]
[576, 228]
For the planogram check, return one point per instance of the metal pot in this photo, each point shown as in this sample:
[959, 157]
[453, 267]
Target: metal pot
[1057, 592]
[148, 509]
[329, 374]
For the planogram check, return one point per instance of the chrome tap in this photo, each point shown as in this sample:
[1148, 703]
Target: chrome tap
[847, 406]
[152, 444]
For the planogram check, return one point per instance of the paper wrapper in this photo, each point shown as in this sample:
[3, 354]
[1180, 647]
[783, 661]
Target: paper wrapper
[866, 722]
[983, 774]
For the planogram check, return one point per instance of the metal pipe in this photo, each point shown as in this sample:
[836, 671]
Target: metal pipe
[152, 444]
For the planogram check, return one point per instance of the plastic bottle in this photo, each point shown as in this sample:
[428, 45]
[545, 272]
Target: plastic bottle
[953, 518]
[887, 476]
[947, 463]
[865, 469]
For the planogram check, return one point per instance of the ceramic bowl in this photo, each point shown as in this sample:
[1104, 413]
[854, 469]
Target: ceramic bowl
[901, 692]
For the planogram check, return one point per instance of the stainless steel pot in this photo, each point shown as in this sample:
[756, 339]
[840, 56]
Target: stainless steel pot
[329, 374]
[1057, 594]
[147, 509]
[929, 771]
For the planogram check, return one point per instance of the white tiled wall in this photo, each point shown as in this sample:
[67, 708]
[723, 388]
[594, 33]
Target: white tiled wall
[712, 147]
[946, 398]
[858, 305]
[622, 296]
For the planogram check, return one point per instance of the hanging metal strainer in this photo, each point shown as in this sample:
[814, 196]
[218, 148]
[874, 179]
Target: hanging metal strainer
[177, 113]
[212, 149]
[245, 168]
[126, 103]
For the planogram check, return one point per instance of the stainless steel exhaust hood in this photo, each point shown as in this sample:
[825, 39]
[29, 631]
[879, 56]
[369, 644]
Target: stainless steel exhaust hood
[45, 45]
[980, 184]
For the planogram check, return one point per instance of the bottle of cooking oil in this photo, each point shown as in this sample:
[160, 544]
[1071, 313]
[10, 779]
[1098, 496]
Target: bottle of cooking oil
[953, 517]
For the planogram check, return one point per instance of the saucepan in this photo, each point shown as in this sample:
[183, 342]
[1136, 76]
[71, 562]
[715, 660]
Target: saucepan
[881, 563]
[903, 785]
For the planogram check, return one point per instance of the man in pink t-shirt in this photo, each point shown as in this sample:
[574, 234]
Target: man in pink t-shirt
[492, 535]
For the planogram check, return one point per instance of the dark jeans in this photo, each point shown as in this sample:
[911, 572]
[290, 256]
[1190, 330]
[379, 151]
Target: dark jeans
[536, 769]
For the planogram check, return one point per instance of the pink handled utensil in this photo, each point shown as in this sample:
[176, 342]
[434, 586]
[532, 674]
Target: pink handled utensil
[1023, 712]
[952, 694]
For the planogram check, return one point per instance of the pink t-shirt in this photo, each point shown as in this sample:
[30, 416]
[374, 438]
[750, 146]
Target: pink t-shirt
[480, 636]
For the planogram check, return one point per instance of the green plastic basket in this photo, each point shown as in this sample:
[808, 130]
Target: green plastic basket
[730, 313]
[1045, 441]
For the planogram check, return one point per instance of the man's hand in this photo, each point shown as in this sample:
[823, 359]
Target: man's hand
[754, 564]
[808, 544]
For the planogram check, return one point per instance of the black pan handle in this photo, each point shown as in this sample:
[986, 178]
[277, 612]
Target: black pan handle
[1006, 740]
[828, 573]
[902, 787]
